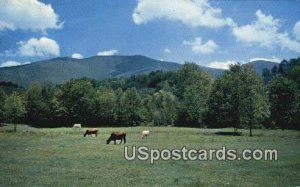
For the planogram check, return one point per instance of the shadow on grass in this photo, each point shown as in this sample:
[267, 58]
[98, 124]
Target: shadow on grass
[3, 125]
[223, 133]
[9, 131]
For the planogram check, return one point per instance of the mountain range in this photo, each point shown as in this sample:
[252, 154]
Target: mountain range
[59, 70]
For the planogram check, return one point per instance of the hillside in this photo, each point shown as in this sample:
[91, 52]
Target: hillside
[259, 65]
[59, 70]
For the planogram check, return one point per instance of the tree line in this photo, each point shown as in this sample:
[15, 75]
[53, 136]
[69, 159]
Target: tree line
[190, 97]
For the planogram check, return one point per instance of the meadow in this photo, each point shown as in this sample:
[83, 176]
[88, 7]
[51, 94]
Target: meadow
[63, 157]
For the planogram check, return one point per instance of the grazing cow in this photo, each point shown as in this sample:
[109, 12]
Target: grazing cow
[77, 125]
[145, 134]
[90, 132]
[120, 135]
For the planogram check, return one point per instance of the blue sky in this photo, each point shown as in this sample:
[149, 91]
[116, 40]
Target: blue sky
[209, 33]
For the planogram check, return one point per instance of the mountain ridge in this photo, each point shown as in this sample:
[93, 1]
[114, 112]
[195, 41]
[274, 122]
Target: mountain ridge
[59, 70]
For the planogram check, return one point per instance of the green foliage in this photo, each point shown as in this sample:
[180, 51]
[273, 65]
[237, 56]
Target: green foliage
[284, 100]
[9, 87]
[59, 111]
[221, 103]
[38, 103]
[284, 95]
[77, 98]
[237, 99]
[194, 86]
[104, 105]
[163, 108]
[2, 100]
[14, 108]
[131, 109]
[188, 97]
[254, 108]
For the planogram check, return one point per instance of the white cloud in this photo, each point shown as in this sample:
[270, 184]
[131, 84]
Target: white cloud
[39, 47]
[287, 43]
[26, 63]
[204, 48]
[265, 32]
[12, 63]
[297, 30]
[77, 56]
[190, 12]
[166, 50]
[9, 64]
[273, 59]
[108, 52]
[221, 65]
[27, 14]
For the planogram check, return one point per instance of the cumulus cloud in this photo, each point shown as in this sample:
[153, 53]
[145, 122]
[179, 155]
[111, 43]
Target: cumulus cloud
[297, 30]
[190, 12]
[77, 56]
[221, 65]
[274, 59]
[166, 50]
[108, 52]
[39, 47]
[264, 31]
[199, 47]
[29, 14]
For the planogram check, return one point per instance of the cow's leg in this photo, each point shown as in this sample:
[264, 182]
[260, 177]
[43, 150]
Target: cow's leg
[115, 142]
[120, 141]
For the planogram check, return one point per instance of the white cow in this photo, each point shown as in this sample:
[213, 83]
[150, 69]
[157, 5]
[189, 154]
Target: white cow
[145, 134]
[77, 125]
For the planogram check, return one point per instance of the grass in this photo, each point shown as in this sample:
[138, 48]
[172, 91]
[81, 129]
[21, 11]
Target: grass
[63, 157]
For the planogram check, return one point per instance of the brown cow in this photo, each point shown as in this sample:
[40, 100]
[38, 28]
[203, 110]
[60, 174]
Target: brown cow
[90, 132]
[120, 135]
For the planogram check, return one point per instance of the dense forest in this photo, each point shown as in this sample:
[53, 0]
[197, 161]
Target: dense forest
[189, 97]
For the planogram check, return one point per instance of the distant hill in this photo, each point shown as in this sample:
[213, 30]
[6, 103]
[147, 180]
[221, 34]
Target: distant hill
[59, 70]
[259, 65]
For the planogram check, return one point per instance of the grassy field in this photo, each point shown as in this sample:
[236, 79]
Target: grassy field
[63, 157]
